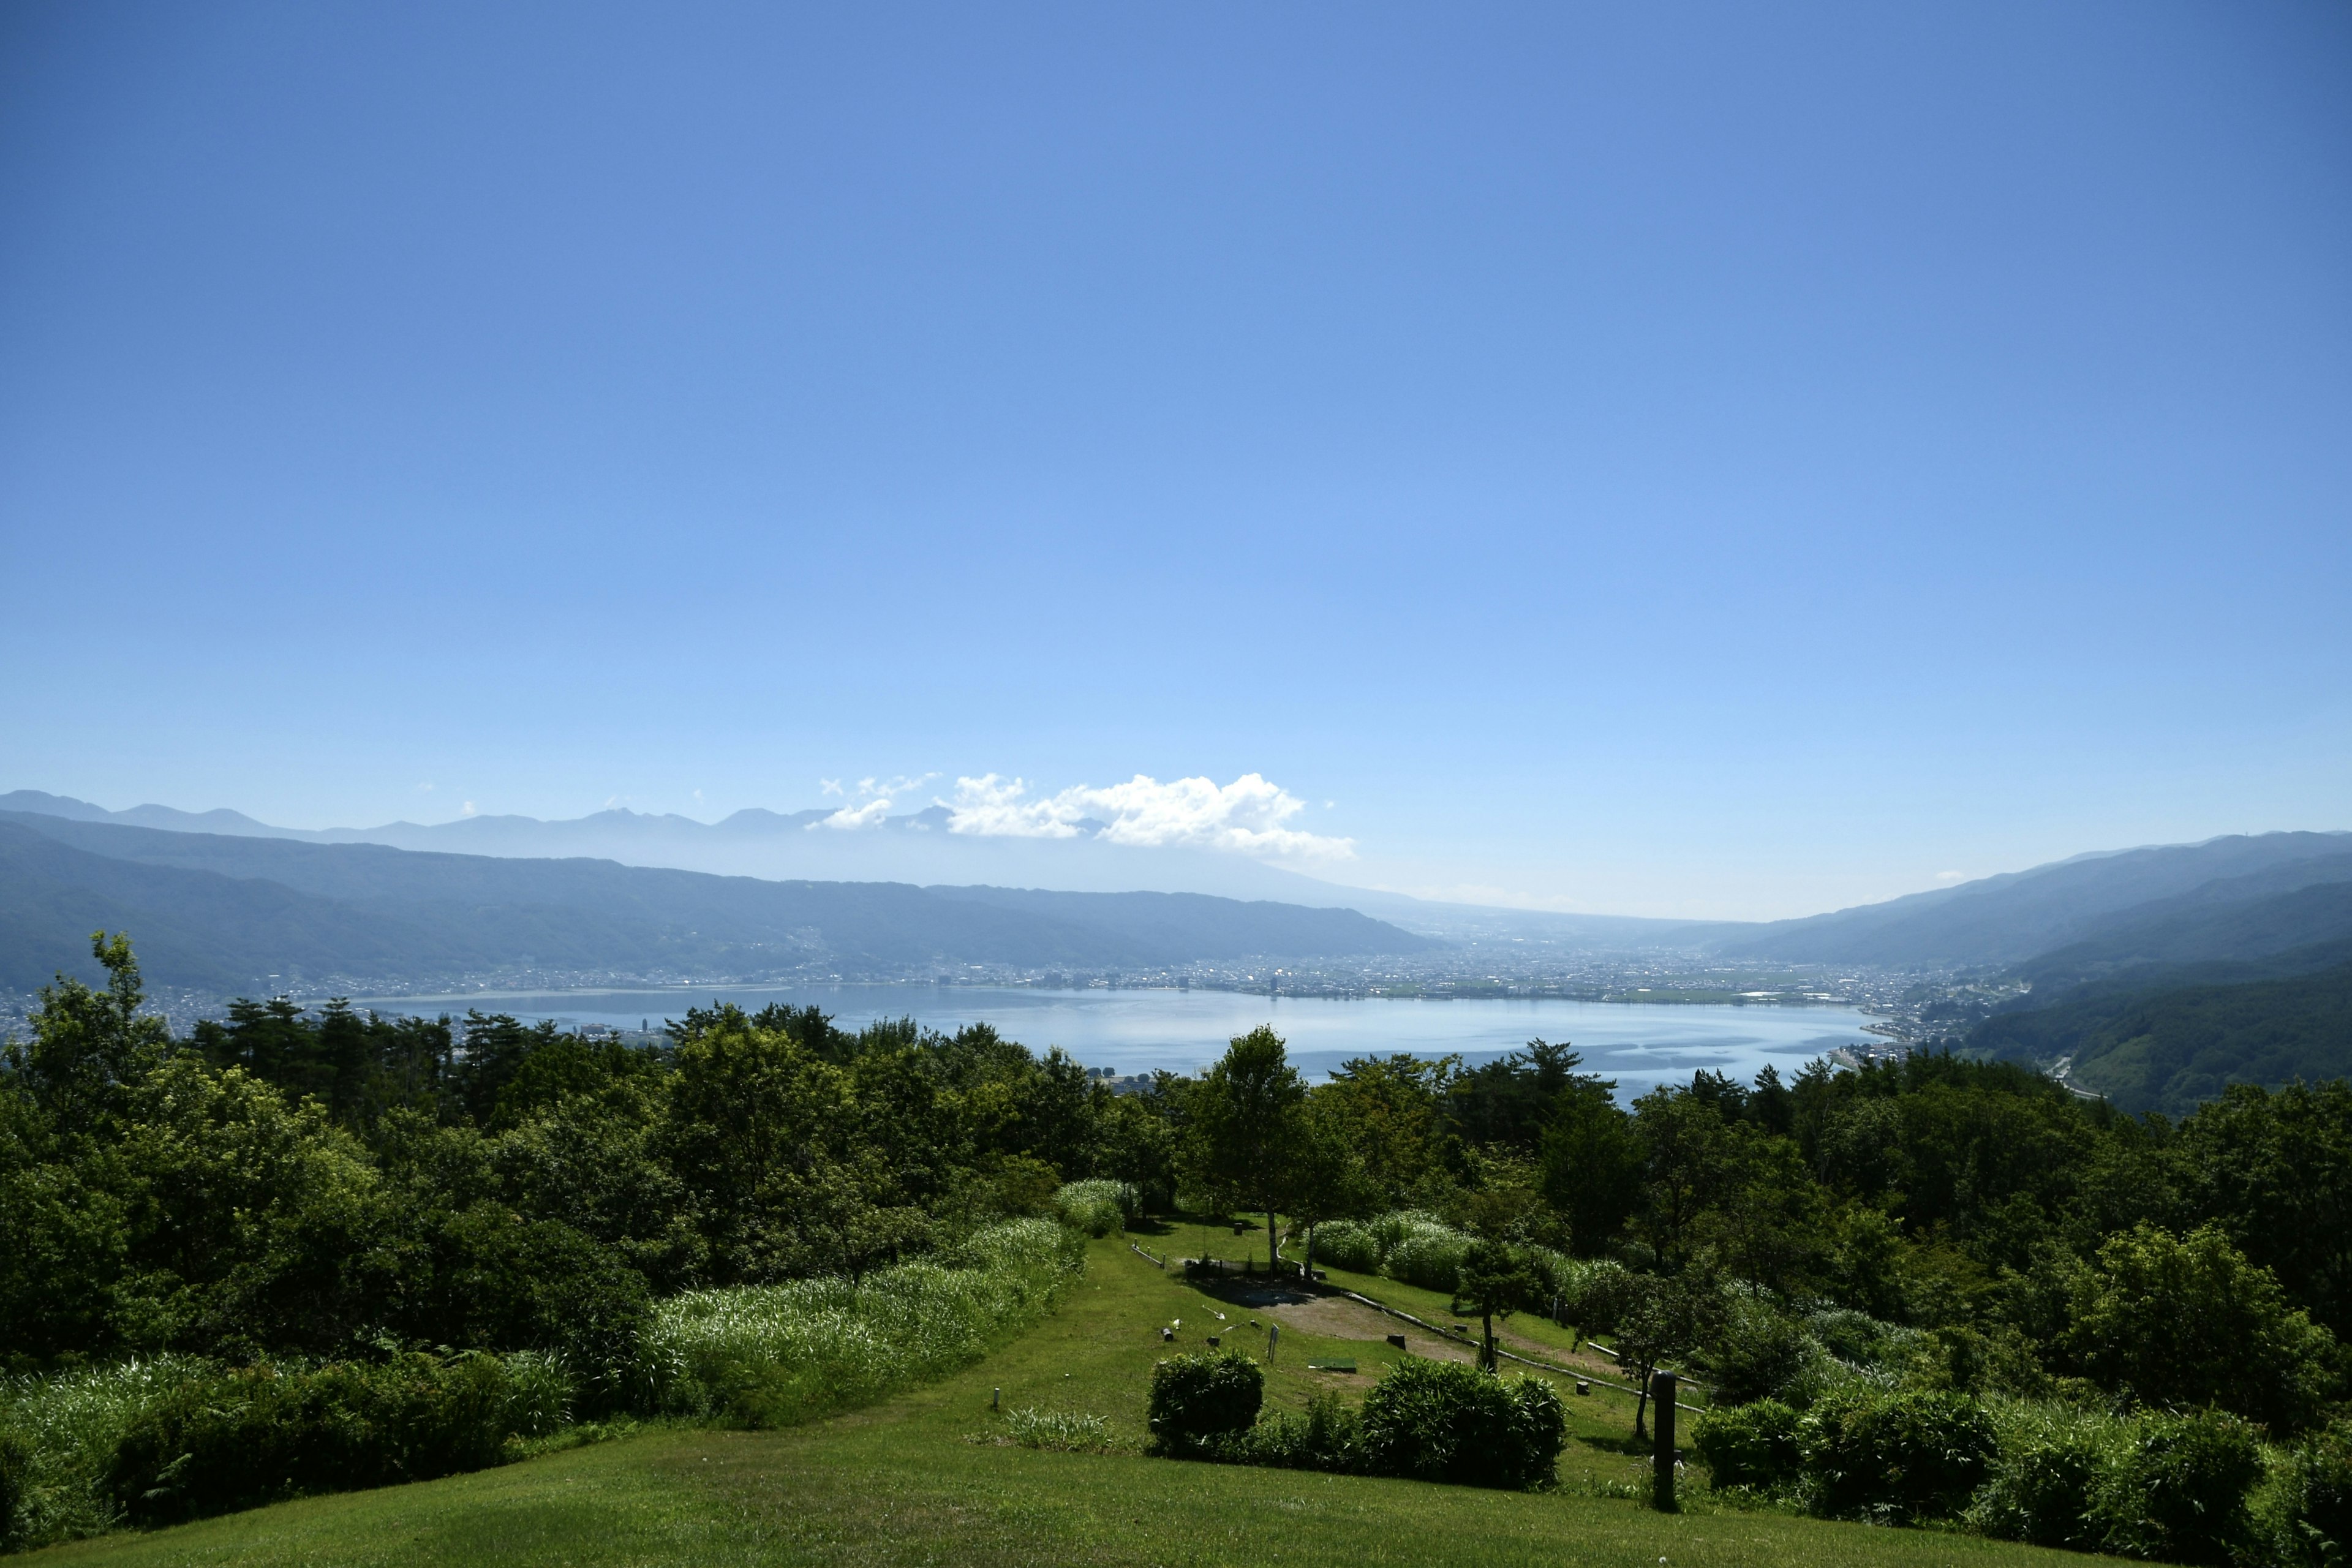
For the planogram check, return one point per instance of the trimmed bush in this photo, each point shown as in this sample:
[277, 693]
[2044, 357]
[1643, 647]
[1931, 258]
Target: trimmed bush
[256, 1435]
[1594, 1293]
[2178, 1490]
[1754, 1444]
[1099, 1206]
[1445, 1420]
[1907, 1457]
[1201, 1400]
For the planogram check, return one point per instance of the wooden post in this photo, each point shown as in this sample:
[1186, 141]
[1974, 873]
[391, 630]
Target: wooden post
[1662, 1471]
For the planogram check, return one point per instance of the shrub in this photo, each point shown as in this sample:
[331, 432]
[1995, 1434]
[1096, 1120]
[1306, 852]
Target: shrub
[511, 1283]
[16, 1481]
[769, 1355]
[1595, 1293]
[1751, 1444]
[1098, 1207]
[69, 1423]
[1758, 1354]
[2311, 1513]
[2045, 1476]
[1326, 1437]
[1904, 1456]
[1444, 1421]
[1200, 1400]
[245, 1437]
[2178, 1493]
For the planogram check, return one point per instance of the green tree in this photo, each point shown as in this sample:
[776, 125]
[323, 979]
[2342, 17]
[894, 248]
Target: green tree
[88, 1046]
[1327, 1179]
[1592, 1163]
[1494, 1281]
[2182, 1322]
[754, 1116]
[1246, 1124]
[1663, 1320]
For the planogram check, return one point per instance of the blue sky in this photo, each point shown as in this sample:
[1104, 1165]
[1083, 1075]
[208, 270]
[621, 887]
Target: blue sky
[1722, 460]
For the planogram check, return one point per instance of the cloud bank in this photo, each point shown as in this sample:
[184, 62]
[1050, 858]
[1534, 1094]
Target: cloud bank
[1246, 817]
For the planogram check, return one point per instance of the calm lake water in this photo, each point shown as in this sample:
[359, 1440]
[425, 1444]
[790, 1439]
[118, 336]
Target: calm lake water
[1141, 1031]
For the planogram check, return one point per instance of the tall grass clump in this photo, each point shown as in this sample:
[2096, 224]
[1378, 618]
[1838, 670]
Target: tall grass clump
[1421, 1249]
[1068, 1431]
[1410, 1245]
[1347, 1244]
[1098, 1207]
[770, 1355]
[64, 1429]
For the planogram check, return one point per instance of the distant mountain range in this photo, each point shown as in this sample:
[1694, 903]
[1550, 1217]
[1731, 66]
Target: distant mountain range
[230, 913]
[2156, 974]
[915, 848]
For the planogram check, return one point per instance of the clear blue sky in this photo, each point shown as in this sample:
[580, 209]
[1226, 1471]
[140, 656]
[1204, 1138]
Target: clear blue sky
[1721, 459]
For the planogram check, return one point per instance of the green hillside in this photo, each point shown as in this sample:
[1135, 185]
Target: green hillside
[930, 1476]
[2175, 1046]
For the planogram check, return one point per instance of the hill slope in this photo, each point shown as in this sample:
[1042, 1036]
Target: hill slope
[2008, 918]
[2168, 1046]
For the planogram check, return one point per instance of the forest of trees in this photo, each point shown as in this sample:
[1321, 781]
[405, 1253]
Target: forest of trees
[292, 1183]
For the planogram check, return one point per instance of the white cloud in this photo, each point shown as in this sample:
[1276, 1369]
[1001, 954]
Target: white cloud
[851, 818]
[1951, 876]
[467, 809]
[828, 786]
[894, 786]
[1246, 817]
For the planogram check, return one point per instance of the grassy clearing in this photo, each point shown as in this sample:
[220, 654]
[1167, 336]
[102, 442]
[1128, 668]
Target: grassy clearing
[933, 1476]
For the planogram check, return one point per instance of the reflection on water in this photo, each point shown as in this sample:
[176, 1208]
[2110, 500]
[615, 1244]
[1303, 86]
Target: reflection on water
[1638, 1044]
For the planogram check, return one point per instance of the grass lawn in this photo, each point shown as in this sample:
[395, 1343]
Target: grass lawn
[926, 1478]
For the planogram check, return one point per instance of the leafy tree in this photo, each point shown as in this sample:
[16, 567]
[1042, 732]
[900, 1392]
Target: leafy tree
[1592, 1163]
[1662, 1320]
[752, 1119]
[1326, 1179]
[88, 1047]
[1494, 1281]
[1392, 1111]
[2182, 1322]
[1246, 1124]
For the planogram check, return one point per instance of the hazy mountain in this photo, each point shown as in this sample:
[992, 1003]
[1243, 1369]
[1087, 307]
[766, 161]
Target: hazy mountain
[215, 911]
[2017, 916]
[2234, 918]
[915, 848]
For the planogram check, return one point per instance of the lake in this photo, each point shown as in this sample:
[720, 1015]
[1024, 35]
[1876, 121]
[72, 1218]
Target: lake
[1140, 1031]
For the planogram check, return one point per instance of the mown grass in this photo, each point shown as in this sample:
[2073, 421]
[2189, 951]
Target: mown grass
[930, 1476]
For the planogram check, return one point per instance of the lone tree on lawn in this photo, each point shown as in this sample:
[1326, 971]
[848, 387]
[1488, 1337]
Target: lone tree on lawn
[1246, 1121]
[1494, 1281]
[1662, 1322]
